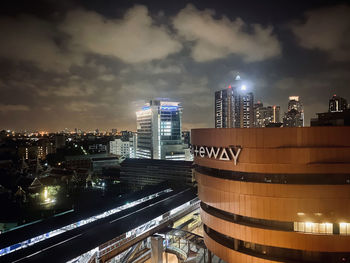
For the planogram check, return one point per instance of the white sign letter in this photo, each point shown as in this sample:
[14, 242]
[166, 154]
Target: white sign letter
[235, 155]
[212, 152]
[201, 151]
[224, 155]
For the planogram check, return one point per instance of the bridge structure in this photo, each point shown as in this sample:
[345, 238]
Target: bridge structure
[108, 236]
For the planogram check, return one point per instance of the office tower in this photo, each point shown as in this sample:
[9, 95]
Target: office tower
[295, 115]
[274, 195]
[234, 106]
[337, 104]
[263, 116]
[159, 131]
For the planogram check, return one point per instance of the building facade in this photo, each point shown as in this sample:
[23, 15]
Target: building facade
[133, 145]
[36, 150]
[337, 118]
[60, 141]
[159, 125]
[337, 104]
[275, 195]
[338, 114]
[294, 117]
[234, 106]
[138, 173]
[120, 147]
[263, 116]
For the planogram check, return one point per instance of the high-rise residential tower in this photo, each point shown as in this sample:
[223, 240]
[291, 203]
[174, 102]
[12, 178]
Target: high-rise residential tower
[234, 106]
[159, 131]
[337, 104]
[295, 115]
[263, 116]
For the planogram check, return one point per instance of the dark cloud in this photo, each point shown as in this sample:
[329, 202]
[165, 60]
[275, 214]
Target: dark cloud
[326, 29]
[86, 69]
[30, 39]
[134, 38]
[218, 38]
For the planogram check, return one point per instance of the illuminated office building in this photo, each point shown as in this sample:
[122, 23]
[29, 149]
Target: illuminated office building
[234, 106]
[159, 131]
[275, 195]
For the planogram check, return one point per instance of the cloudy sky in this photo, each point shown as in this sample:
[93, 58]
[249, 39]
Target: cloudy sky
[90, 64]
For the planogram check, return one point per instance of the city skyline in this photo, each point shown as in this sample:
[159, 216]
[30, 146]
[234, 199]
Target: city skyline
[55, 73]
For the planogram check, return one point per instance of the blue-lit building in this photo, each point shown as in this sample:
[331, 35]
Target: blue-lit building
[159, 131]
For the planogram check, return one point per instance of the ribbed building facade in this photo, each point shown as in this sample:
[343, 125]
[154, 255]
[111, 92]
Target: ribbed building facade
[275, 195]
[159, 126]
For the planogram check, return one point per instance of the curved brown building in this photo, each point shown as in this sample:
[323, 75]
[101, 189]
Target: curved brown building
[275, 194]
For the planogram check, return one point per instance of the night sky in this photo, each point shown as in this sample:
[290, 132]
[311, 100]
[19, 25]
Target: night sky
[91, 64]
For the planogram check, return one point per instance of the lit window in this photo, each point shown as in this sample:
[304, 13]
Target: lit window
[344, 228]
[309, 227]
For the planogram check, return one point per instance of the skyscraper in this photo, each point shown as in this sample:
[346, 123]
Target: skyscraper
[337, 104]
[294, 117]
[263, 116]
[159, 131]
[234, 106]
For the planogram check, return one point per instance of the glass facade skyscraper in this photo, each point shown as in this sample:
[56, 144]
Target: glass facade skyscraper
[159, 127]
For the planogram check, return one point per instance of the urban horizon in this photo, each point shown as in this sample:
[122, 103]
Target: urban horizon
[175, 131]
[187, 127]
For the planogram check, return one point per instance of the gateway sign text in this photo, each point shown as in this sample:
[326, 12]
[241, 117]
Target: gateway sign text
[220, 153]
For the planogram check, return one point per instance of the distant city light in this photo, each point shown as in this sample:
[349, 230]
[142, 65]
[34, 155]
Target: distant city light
[243, 87]
[296, 98]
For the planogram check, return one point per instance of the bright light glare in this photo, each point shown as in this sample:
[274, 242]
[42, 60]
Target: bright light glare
[244, 87]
